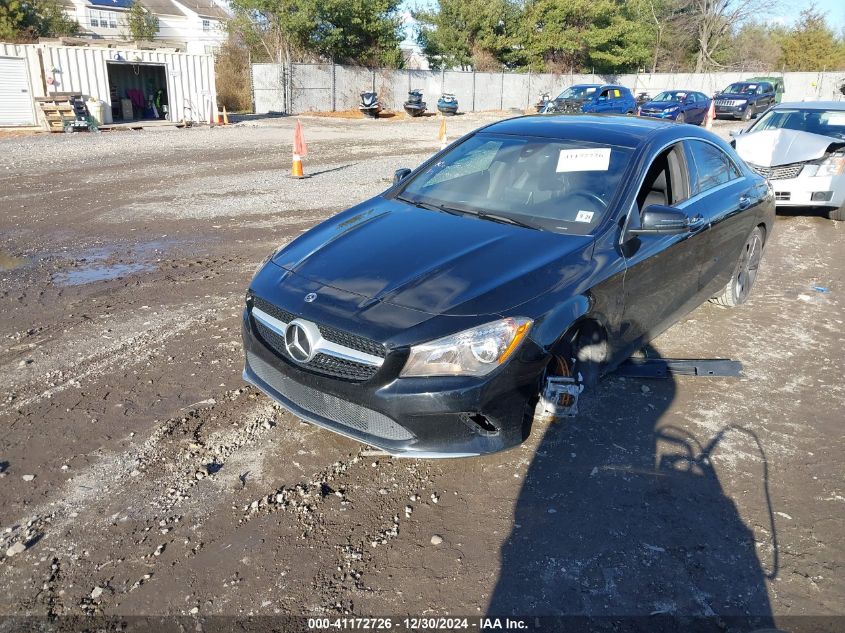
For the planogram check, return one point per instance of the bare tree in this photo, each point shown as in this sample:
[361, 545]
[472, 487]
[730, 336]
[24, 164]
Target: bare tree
[712, 22]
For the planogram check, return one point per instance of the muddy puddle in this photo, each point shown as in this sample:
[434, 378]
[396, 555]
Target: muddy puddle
[99, 272]
[104, 263]
[8, 262]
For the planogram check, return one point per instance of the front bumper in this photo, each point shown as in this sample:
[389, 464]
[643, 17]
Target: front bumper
[798, 192]
[409, 417]
[659, 114]
[735, 112]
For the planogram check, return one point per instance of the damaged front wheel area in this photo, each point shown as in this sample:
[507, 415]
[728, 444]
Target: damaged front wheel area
[576, 365]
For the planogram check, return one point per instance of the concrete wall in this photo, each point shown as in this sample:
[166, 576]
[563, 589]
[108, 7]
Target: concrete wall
[324, 87]
[82, 69]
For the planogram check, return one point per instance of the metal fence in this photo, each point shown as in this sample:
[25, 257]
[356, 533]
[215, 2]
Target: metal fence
[297, 88]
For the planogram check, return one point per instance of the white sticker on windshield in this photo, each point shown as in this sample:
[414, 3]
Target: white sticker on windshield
[584, 216]
[584, 159]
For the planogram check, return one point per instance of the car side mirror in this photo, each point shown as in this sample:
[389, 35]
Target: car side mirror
[400, 174]
[659, 218]
[736, 133]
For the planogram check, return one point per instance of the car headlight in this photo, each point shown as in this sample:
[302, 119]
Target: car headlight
[833, 165]
[473, 352]
[671, 109]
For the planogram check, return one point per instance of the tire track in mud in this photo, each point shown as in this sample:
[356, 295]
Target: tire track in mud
[116, 354]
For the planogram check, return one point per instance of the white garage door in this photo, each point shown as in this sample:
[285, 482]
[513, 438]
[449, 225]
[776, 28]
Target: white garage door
[15, 98]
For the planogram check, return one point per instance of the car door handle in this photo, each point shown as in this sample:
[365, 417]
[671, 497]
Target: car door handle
[744, 202]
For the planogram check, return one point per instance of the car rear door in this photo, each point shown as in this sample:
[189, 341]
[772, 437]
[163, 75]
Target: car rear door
[618, 102]
[768, 96]
[725, 198]
[702, 104]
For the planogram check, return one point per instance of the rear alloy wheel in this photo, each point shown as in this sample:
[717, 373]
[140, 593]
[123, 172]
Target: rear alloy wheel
[738, 289]
[681, 118]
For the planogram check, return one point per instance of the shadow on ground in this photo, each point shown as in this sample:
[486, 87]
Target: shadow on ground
[622, 517]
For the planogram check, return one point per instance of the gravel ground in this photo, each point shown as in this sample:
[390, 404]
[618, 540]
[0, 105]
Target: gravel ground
[140, 476]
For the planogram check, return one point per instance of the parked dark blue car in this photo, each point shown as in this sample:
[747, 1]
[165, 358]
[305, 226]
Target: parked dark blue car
[683, 106]
[593, 98]
[745, 99]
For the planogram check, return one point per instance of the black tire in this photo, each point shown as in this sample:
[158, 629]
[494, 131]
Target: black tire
[750, 113]
[837, 214]
[738, 289]
[681, 118]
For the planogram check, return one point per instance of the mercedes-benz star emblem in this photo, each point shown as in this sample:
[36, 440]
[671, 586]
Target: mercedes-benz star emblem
[298, 344]
[310, 297]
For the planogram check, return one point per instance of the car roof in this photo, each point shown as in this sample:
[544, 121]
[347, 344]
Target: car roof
[812, 105]
[624, 131]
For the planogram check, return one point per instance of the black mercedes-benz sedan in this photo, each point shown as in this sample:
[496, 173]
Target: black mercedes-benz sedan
[425, 320]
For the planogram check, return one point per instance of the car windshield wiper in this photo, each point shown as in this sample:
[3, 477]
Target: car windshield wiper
[482, 215]
[429, 206]
[495, 217]
[506, 219]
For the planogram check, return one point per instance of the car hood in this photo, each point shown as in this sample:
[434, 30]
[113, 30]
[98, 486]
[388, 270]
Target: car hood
[735, 95]
[433, 262]
[768, 148]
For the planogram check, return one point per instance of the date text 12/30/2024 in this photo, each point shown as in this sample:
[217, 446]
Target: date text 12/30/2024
[417, 624]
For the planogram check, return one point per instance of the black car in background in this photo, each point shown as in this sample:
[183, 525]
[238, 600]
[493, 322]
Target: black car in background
[424, 321]
[744, 100]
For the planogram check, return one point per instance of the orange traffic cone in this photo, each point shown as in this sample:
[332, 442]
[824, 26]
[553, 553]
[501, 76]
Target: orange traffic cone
[225, 116]
[711, 114]
[441, 135]
[300, 149]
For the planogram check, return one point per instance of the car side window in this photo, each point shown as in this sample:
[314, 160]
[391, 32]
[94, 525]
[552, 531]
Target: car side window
[712, 166]
[603, 94]
[666, 181]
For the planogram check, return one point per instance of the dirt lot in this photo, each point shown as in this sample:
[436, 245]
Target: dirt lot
[143, 477]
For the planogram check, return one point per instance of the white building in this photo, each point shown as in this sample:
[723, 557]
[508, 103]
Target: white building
[195, 26]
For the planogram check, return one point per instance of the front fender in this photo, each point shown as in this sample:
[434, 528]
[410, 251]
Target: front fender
[560, 319]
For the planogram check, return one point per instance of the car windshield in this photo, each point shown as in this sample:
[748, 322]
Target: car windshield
[578, 92]
[741, 89]
[671, 95]
[550, 184]
[824, 122]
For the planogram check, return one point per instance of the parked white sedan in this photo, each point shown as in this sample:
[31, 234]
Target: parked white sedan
[800, 148]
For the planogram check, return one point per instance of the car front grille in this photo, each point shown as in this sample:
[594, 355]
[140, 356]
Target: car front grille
[327, 406]
[779, 172]
[321, 363]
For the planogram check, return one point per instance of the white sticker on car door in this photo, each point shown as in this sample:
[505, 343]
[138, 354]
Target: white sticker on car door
[597, 159]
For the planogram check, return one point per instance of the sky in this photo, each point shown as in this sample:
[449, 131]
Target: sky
[786, 13]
